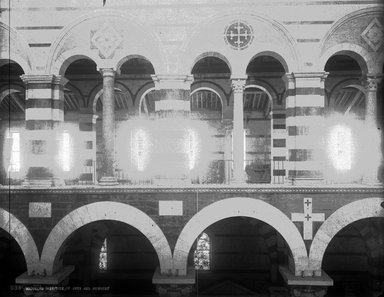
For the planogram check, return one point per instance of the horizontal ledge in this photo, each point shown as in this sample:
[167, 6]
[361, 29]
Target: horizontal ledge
[54, 279]
[188, 279]
[291, 280]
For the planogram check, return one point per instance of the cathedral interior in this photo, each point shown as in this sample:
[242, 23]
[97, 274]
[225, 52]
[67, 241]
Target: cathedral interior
[192, 148]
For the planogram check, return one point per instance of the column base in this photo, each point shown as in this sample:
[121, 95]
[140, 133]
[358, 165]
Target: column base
[58, 278]
[108, 181]
[174, 286]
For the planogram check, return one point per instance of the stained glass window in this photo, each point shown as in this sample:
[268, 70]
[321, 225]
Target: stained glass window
[202, 255]
[103, 260]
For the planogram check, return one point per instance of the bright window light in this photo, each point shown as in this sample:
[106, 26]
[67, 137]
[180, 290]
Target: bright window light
[66, 151]
[202, 255]
[103, 260]
[341, 147]
[14, 165]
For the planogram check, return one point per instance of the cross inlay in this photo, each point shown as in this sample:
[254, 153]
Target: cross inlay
[307, 218]
[238, 35]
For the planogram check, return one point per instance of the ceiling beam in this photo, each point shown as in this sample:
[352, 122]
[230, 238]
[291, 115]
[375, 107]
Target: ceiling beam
[18, 101]
[353, 102]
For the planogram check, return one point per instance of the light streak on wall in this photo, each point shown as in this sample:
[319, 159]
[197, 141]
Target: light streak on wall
[192, 147]
[340, 147]
[14, 164]
[353, 150]
[66, 151]
[140, 148]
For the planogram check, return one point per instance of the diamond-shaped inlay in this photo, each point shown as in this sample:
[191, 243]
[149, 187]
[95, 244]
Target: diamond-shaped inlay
[106, 40]
[373, 34]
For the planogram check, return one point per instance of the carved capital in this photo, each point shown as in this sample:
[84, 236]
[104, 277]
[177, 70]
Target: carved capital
[107, 72]
[371, 83]
[238, 85]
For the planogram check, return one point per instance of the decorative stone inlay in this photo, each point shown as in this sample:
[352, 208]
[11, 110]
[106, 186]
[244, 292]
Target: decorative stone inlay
[106, 40]
[238, 35]
[373, 35]
[308, 218]
[39, 209]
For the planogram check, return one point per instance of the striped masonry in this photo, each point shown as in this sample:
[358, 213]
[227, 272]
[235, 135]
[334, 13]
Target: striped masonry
[304, 111]
[278, 150]
[44, 111]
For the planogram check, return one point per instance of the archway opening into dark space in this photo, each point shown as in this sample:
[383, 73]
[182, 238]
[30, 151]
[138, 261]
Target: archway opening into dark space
[12, 262]
[244, 257]
[111, 254]
[354, 259]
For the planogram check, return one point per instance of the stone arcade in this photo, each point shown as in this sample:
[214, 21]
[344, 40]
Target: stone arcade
[192, 148]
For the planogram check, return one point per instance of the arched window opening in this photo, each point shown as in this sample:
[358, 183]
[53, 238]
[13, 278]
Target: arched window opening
[103, 257]
[205, 100]
[202, 255]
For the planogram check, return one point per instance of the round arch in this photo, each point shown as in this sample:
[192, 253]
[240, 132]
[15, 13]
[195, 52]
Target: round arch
[123, 58]
[277, 54]
[356, 52]
[209, 86]
[12, 225]
[4, 92]
[348, 83]
[352, 212]
[155, 52]
[98, 91]
[236, 207]
[106, 210]
[141, 95]
[214, 27]
[264, 89]
[65, 59]
[210, 54]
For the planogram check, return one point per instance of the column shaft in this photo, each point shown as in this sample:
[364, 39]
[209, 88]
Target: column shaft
[238, 141]
[373, 152]
[108, 127]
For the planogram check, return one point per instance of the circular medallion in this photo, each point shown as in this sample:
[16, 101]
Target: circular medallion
[238, 35]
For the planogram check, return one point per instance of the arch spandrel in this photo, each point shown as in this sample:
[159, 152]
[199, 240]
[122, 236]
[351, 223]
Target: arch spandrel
[104, 211]
[107, 36]
[15, 48]
[354, 34]
[268, 35]
[236, 207]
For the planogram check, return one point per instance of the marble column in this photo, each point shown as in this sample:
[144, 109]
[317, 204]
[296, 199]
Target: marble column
[108, 128]
[372, 148]
[238, 141]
